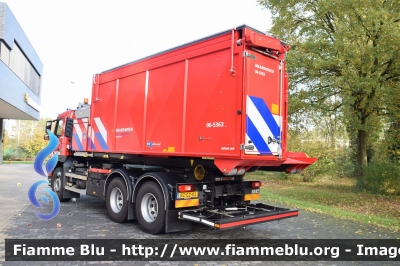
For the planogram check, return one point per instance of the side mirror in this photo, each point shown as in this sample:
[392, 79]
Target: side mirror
[46, 137]
[48, 125]
[69, 126]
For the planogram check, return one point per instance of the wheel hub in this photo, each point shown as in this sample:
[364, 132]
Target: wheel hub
[116, 200]
[57, 183]
[149, 207]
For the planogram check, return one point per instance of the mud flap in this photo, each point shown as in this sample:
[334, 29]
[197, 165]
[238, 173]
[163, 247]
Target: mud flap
[174, 224]
[237, 216]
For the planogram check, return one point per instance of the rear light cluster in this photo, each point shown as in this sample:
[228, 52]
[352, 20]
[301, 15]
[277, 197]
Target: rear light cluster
[185, 188]
[256, 184]
[235, 171]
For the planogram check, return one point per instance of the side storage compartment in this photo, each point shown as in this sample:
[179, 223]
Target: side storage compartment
[95, 184]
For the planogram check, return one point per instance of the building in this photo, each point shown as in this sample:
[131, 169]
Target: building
[20, 73]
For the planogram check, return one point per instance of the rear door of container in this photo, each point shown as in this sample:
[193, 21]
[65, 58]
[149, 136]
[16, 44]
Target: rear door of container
[263, 81]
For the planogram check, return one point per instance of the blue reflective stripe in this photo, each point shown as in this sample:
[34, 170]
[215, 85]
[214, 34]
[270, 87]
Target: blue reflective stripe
[256, 138]
[92, 144]
[266, 115]
[101, 141]
[78, 143]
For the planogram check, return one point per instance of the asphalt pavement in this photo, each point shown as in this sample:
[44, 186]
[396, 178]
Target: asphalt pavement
[86, 218]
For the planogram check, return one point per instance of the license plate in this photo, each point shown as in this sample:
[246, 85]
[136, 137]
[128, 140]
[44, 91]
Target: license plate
[188, 195]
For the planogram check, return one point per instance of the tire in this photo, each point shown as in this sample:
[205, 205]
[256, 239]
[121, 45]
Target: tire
[57, 184]
[150, 211]
[116, 200]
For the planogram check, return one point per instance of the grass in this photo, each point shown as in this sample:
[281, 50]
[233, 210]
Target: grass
[335, 197]
[17, 162]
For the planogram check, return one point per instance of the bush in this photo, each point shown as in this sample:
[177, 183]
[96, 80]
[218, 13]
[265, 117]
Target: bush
[15, 155]
[380, 177]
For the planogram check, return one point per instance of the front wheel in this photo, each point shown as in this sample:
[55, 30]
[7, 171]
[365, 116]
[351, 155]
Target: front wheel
[116, 200]
[150, 208]
[57, 185]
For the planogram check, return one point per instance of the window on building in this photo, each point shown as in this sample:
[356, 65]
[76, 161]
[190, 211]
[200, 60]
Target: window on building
[19, 64]
[4, 53]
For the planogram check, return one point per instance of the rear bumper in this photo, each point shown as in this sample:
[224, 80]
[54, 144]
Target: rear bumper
[291, 162]
[232, 217]
[297, 162]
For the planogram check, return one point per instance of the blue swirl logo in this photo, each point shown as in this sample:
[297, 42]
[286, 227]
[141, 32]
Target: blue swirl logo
[36, 203]
[50, 165]
[52, 162]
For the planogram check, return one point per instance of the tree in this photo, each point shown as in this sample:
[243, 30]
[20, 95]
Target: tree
[25, 139]
[345, 50]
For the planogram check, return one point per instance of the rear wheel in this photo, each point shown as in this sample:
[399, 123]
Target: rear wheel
[57, 185]
[150, 208]
[116, 200]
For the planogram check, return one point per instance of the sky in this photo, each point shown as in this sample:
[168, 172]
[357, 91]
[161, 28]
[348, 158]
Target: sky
[76, 39]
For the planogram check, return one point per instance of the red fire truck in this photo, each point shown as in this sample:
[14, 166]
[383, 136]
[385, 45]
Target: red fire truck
[168, 139]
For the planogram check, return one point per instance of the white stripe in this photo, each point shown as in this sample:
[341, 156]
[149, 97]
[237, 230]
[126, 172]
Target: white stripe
[101, 128]
[85, 122]
[92, 136]
[78, 131]
[278, 119]
[254, 151]
[260, 124]
[207, 222]
[190, 218]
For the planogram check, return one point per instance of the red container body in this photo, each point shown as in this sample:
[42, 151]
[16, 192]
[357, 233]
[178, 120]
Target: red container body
[222, 98]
